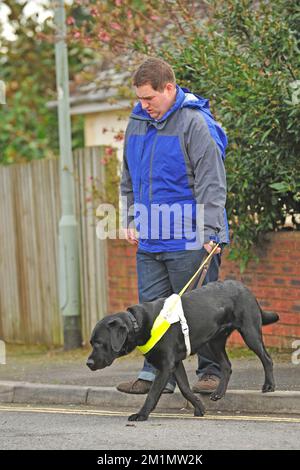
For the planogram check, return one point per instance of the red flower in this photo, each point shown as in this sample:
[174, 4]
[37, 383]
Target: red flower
[119, 136]
[94, 12]
[104, 36]
[109, 151]
[71, 20]
[115, 26]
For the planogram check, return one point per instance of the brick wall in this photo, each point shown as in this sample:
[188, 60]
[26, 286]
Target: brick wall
[122, 279]
[275, 281]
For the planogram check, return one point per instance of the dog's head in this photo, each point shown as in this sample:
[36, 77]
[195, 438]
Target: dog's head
[107, 340]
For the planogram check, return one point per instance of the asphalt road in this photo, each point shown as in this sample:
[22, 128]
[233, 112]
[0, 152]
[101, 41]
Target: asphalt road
[37, 427]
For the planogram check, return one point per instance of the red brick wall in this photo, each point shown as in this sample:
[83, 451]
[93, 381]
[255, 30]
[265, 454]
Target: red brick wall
[122, 279]
[275, 281]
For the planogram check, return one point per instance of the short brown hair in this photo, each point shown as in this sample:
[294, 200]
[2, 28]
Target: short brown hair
[156, 72]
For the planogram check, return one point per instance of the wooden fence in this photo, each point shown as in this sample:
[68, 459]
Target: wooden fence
[29, 216]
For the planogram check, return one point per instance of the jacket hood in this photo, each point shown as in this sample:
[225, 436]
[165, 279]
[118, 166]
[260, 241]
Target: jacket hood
[198, 102]
[187, 99]
[139, 113]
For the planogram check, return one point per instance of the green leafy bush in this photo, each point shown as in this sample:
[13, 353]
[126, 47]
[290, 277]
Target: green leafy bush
[246, 60]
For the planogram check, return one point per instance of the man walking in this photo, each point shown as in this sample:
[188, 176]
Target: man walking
[174, 178]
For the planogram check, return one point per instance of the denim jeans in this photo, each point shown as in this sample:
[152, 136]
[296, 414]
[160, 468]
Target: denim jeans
[162, 274]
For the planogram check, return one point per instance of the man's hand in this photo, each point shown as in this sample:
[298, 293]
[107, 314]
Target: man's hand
[209, 246]
[130, 236]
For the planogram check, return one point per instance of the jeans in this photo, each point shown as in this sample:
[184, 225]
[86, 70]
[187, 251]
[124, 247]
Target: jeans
[162, 274]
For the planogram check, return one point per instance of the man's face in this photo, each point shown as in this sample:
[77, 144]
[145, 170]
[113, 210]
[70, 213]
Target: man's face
[156, 103]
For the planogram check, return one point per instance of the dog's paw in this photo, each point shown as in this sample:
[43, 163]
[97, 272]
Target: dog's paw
[198, 412]
[216, 396]
[137, 417]
[268, 388]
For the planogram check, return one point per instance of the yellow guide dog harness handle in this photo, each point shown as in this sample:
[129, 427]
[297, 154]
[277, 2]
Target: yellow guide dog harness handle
[172, 312]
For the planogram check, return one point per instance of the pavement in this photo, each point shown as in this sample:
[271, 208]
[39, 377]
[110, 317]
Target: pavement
[38, 376]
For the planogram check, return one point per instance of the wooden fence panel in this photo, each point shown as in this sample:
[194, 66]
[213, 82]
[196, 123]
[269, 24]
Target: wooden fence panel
[9, 298]
[29, 217]
[89, 170]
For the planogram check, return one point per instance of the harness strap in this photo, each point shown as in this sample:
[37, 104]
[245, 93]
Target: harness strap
[172, 312]
[186, 333]
[160, 326]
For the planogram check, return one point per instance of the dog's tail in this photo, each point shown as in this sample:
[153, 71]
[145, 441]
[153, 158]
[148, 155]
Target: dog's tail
[269, 317]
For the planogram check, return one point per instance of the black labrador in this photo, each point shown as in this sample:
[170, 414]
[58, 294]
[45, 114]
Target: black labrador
[212, 312]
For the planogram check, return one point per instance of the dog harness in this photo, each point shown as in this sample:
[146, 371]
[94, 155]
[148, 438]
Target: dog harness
[172, 312]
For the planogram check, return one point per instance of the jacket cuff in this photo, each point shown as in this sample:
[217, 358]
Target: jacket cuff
[208, 236]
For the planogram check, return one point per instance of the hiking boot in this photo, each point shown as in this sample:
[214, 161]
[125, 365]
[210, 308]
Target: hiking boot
[206, 384]
[138, 387]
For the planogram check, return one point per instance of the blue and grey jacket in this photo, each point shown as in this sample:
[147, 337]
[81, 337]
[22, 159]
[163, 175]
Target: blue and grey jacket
[173, 176]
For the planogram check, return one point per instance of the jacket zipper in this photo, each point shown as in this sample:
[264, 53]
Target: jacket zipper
[140, 182]
[151, 166]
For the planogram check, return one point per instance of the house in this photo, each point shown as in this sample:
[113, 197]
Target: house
[105, 109]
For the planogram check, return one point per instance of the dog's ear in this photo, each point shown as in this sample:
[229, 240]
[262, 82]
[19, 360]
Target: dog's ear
[118, 333]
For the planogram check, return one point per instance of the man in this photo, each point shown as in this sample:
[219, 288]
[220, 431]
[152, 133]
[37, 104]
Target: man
[174, 177]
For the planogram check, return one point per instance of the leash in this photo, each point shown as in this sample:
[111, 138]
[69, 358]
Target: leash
[172, 311]
[204, 265]
[203, 275]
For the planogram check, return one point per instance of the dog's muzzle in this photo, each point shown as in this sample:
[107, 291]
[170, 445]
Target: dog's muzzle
[91, 364]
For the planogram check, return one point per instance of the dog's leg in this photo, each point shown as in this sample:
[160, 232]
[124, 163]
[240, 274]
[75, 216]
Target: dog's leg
[217, 345]
[183, 384]
[254, 341]
[153, 396]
